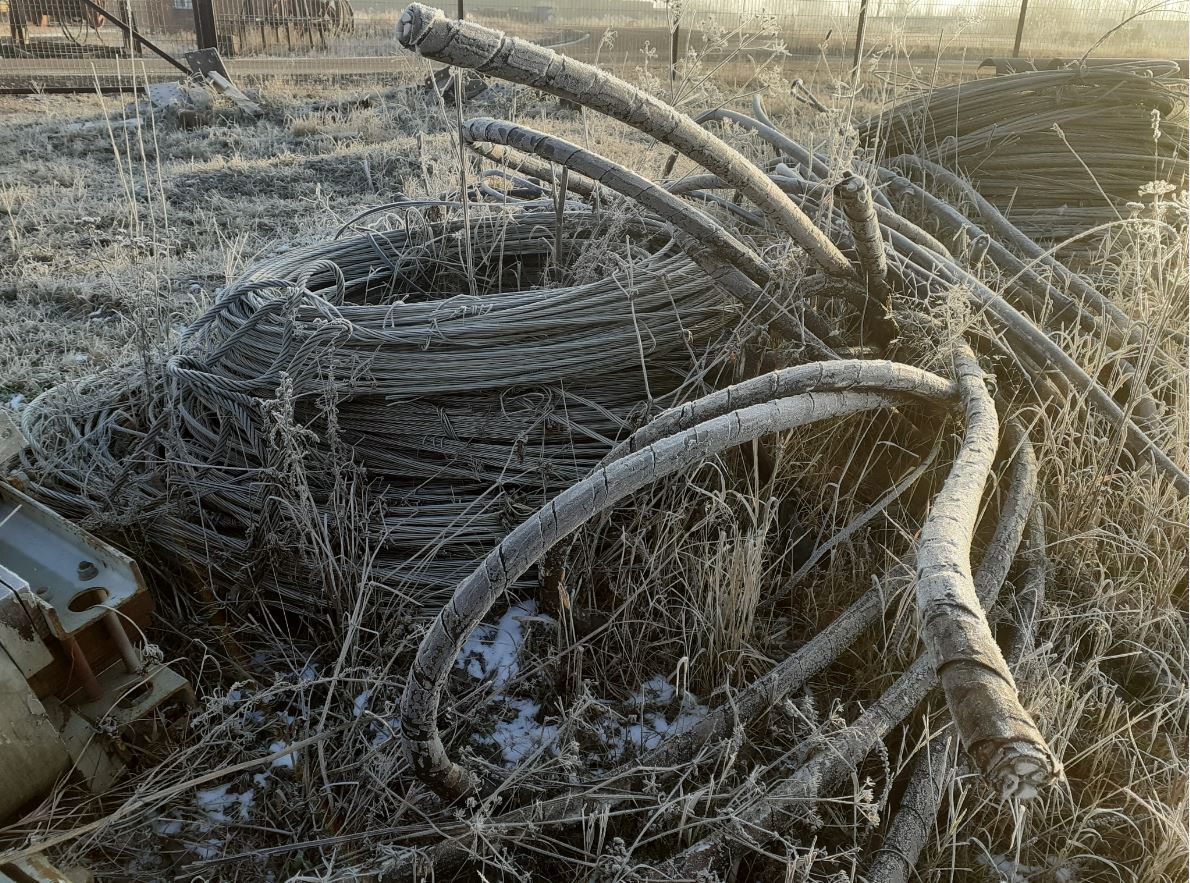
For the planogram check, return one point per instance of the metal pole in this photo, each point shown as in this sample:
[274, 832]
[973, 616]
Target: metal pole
[129, 43]
[462, 13]
[859, 39]
[1020, 30]
[205, 36]
[16, 26]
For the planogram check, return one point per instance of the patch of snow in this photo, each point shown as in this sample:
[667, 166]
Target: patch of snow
[166, 827]
[207, 849]
[217, 802]
[361, 702]
[490, 652]
[521, 734]
[1009, 870]
[285, 760]
[653, 726]
[212, 801]
[16, 402]
[655, 689]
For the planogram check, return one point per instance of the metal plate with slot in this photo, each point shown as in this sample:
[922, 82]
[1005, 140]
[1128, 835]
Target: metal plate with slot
[12, 440]
[75, 578]
[95, 732]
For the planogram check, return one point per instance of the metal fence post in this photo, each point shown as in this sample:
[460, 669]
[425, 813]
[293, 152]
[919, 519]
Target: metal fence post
[130, 45]
[205, 36]
[1020, 29]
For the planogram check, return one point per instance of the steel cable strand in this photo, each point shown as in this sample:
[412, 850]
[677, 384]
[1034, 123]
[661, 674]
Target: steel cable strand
[215, 406]
[807, 194]
[1023, 335]
[431, 34]
[728, 262]
[855, 196]
[814, 167]
[980, 691]
[889, 379]
[135, 492]
[508, 318]
[1031, 593]
[847, 375]
[918, 264]
[774, 811]
[851, 289]
[896, 860]
[951, 216]
[1064, 149]
[1009, 233]
[529, 542]
[723, 246]
[1009, 100]
[532, 167]
[811, 195]
[1137, 442]
[1039, 296]
[1045, 351]
[791, 673]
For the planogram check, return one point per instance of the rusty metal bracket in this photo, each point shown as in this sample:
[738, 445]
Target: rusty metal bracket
[75, 687]
[206, 61]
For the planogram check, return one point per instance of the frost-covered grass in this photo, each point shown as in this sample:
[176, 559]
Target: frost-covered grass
[290, 766]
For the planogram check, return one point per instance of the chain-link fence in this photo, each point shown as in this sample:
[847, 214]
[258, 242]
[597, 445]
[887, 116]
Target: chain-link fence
[44, 43]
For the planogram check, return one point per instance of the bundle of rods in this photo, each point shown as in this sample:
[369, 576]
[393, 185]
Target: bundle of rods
[495, 397]
[1060, 151]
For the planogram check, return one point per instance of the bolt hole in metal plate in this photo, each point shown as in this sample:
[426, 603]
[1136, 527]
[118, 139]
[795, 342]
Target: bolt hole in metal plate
[93, 596]
[64, 562]
[136, 695]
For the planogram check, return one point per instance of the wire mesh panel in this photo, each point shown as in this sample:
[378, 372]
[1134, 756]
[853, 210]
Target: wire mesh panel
[631, 31]
[51, 41]
[285, 26]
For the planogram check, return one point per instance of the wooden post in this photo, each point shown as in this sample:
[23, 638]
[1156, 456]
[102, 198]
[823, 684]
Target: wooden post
[1020, 29]
[673, 62]
[859, 40]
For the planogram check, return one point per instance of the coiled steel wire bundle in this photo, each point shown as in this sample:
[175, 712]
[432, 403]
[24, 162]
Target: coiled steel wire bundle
[462, 409]
[1062, 151]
